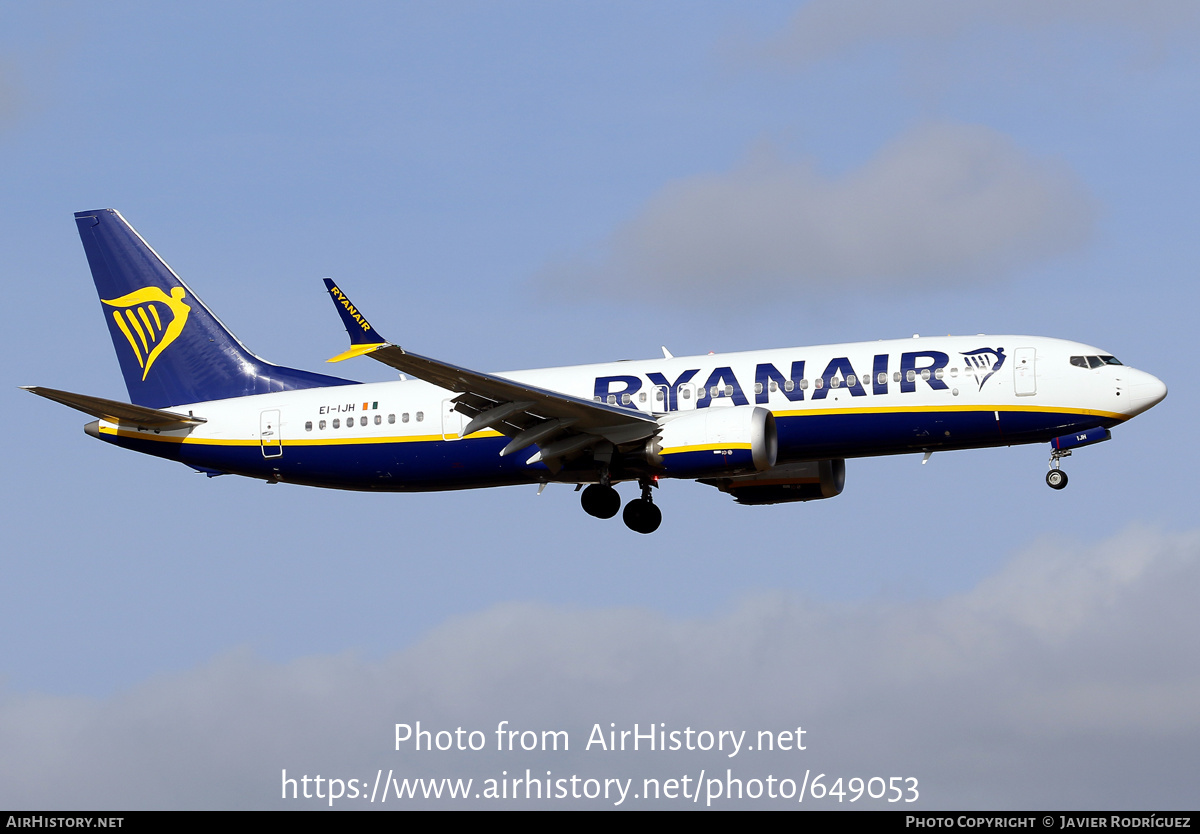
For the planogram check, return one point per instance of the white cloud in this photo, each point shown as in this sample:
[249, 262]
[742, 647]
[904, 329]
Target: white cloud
[1069, 679]
[941, 204]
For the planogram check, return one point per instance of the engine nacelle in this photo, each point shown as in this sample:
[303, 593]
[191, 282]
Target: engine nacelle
[715, 441]
[806, 481]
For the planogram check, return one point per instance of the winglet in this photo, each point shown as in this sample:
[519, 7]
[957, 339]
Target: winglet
[363, 337]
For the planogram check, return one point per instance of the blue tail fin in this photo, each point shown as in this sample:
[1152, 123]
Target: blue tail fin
[172, 349]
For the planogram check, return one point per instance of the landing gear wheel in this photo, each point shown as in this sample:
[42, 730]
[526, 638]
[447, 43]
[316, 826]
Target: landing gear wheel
[641, 516]
[1056, 479]
[600, 501]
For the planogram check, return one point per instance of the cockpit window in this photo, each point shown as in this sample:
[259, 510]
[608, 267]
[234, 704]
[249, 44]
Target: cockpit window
[1094, 361]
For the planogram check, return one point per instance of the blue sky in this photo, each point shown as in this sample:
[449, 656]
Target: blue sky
[532, 184]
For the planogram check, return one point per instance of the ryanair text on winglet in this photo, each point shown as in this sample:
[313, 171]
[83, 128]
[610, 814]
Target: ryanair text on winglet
[340, 297]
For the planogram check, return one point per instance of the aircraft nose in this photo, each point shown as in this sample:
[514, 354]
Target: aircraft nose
[1145, 391]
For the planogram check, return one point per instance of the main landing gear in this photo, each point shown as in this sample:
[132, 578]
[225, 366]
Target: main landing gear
[600, 500]
[1056, 478]
[640, 516]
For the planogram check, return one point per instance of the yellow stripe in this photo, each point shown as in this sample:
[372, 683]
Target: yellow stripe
[425, 438]
[212, 441]
[706, 447]
[351, 441]
[1028, 409]
[484, 433]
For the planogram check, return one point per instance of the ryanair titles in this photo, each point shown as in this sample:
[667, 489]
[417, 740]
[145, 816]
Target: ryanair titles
[927, 367]
[340, 298]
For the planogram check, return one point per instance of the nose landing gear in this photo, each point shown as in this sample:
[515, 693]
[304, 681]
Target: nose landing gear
[1056, 478]
[1060, 447]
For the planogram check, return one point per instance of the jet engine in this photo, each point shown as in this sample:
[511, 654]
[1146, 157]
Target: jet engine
[715, 441]
[805, 481]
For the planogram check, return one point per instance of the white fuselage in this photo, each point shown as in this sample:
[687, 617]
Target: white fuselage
[829, 401]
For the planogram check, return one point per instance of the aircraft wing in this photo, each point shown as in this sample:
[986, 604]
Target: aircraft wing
[118, 412]
[558, 423]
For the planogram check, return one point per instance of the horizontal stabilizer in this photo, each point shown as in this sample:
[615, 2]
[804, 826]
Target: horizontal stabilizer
[118, 412]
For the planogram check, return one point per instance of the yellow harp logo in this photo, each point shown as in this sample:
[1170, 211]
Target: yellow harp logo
[148, 329]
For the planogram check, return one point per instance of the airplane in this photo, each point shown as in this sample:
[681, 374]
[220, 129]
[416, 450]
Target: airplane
[765, 427]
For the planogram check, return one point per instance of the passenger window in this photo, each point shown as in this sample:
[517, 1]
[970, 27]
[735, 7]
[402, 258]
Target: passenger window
[938, 374]
[337, 423]
[642, 396]
[404, 417]
[391, 419]
[612, 399]
[953, 372]
[658, 395]
[790, 386]
[378, 419]
[775, 386]
[758, 388]
[321, 425]
[911, 376]
[882, 378]
[308, 426]
[836, 382]
[362, 421]
[803, 384]
[896, 376]
[687, 392]
[625, 399]
[925, 374]
[851, 380]
[420, 416]
[729, 390]
[819, 383]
